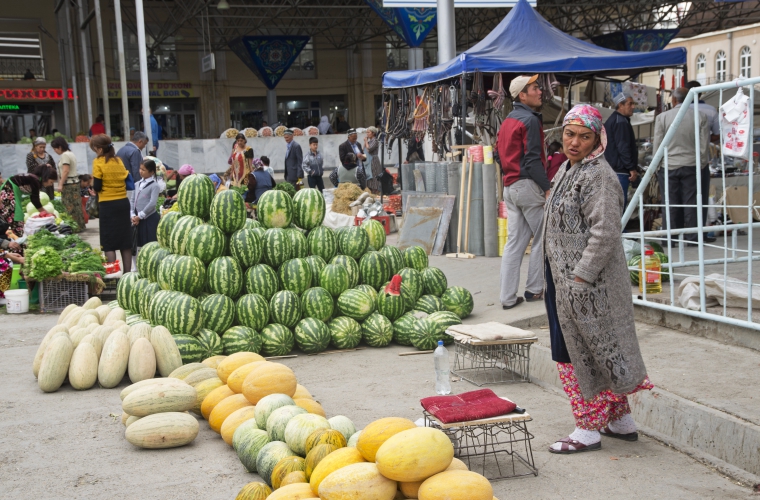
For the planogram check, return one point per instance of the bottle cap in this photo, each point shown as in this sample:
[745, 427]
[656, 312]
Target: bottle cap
[440, 342]
[649, 251]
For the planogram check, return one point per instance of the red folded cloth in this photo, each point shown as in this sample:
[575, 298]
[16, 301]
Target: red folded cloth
[468, 406]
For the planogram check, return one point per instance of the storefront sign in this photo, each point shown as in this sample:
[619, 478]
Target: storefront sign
[159, 90]
[34, 94]
[9, 107]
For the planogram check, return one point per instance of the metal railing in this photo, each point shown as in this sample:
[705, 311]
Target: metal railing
[682, 266]
[16, 68]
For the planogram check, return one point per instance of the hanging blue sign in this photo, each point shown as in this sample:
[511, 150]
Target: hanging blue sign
[636, 40]
[269, 57]
[411, 24]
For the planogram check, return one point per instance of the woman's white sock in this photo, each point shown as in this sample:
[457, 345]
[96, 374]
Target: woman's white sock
[582, 436]
[623, 425]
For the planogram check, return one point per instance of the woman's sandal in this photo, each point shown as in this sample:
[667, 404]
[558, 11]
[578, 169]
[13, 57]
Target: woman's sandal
[631, 436]
[579, 447]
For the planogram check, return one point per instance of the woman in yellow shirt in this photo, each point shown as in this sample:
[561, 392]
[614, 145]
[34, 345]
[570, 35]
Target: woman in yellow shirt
[109, 181]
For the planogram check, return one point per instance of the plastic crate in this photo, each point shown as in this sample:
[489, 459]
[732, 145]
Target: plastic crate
[382, 219]
[109, 292]
[55, 295]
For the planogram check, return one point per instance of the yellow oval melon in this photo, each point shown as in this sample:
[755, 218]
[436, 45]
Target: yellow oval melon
[284, 467]
[254, 491]
[83, 369]
[236, 418]
[315, 455]
[203, 389]
[43, 345]
[236, 378]
[336, 460]
[224, 409]
[294, 477]
[302, 393]
[163, 430]
[297, 491]
[213, 361]
[362, 480]
[311, 406]
[325, 436]
[378, 432]
[414, 454]
[269, 378]
[411, 489]
[55, 363]
[456, 485]
[214, 398]
[235, 361]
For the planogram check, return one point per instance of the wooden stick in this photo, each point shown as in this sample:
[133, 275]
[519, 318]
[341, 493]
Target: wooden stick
[467, 217]
[336, 351]
[414, 353]
[282, 357]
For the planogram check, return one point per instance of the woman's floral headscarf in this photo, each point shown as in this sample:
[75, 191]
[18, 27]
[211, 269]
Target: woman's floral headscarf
[258, 164]
[589, 117]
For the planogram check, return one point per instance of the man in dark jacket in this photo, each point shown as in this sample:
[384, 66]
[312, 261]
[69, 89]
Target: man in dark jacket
[523, 162]
[352, 171]
[622, 153]
[293, 159]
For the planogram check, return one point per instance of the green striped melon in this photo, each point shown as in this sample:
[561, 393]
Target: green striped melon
[308, 208]
[275, 209]
[434, 281]
[228, 211]
[389, 305]
[312, 335]
[210, 342]
[165, 270]
[345, 333]
[443, 320]
[412, 280]
[225, 277]
[371, 291]
[144, 256]
[316, 264]
[188, 274]
[195, 194]
[251, 224]
[277, 246]
[429, 304]
[247, 441]
[458, 300]
[205, 242]
[426, 335]
[295, 275]
[156, 258]
[262, 280]
[218, 312]
[184, 315]
[147, 293]
[165, 226]
[139, 289]
[298, 245]
[277, 340]
[180, 232]
[404, 327]
[260, 231]
[355, 304]
[353, 242]
[376, 232]
[416, 258]
[285, 308]
[377, 330]
[241, 339]
[334, 279]
[252, 310]
[317, 303]
[159, 304]
[276, 450]
[394, 258]
[124, 289]
[190, 348]
[246, 247]
[323, 242]
[278, 421]
[351, 267]
[374, 270]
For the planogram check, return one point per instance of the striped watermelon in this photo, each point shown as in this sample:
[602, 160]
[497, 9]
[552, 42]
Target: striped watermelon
[277, 340]
[434, 281]
[317, 303]
[263, 280]
[260, 231]
[312, 335]
[187, 275]
[404, 327]
[184, 315]
[241, 339]
[345, 333]
[353, 242]
[394, 257]
[295, 275]
[355, 304]
[137, 291]
[412, 280]
[443, 320]
[298, 245]
[377, 330]
[376, 232]
[124, 289]
[156, 257]
[275, 209]
[228, 211]
[323, 242]
[426, 335]
[158, 306]
[416, 258]
[350, 265]
[165, 226]
[246, 247]
[146, 294]
[195, 194]
[252, 310]
[277, 246]
[165, 270]
[374, 270]
[218, 312]
[251, 224]
[458, 300]
[225, 276]
[144, 256]
[390, 300]
[308, 208]
[368, 290]
[180, 232]
[316, 264]
[205, 242]
[210, 342]
[285, 308]
[429, 304]
[334, 279]
[190, 348]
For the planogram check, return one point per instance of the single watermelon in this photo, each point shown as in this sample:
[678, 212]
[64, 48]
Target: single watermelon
[124, 289]
[377, 330]
[156, 257]
[165, 226]
[275, 209]
[376, 232]
[143, 258]
[309, 208]
[416, 258]
[187, 275]
[285, 308]
[334, 279]
[345, 332]
[323, 242]
[195, 194]
[205, 242]
[374, 270]
[429, 304]
[353, 242]
[312, 335]
[180, 233]
[458, 300]
[434, 281]
[225, 277]
[350, 265]
[404, 328]
[241, 339]
[390, 301]
[277, 340]
[317, 303]
[394, 257]
[228, 211]
[246, 247]
[316, 264]
[210, 342]
[277, 246]
[355, 304]
[184, 315]
[426, 336]
[218, 312]
[165, 270]
[147, 293]
[412, 280]
[263, 280]
[298, 245]
[296, 275]
[252, 310]
[190, 348]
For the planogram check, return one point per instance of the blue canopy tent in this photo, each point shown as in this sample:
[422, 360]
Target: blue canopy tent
[524, 42]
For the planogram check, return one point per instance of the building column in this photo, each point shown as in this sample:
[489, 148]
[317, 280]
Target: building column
[271, 107]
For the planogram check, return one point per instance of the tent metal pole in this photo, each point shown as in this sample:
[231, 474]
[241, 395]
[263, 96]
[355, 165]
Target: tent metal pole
[464, 108]
[447, 48]
[85, 64]
[64, 76]
[103, 76]
[143, 58]
[73, 63]
[122, 71]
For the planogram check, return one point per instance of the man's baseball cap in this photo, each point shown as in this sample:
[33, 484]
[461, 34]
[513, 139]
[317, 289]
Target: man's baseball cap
[288, 132]
[520, 83]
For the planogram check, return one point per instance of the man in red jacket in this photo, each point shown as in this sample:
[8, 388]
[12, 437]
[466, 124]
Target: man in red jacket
[526, 187]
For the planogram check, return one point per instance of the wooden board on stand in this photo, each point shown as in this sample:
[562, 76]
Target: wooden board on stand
[459, 254]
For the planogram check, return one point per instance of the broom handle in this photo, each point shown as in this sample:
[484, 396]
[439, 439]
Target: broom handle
[467, 222]
[461, 202]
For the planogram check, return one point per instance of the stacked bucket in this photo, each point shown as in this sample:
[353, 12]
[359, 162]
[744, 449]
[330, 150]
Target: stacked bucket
[502, 227]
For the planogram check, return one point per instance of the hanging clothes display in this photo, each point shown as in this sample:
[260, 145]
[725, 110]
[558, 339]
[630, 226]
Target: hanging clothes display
[735, 125]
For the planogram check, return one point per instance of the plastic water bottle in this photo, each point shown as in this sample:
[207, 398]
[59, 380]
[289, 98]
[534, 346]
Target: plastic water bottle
[442, 383]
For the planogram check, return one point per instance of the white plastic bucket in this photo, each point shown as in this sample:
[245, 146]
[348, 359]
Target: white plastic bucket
[17, 301]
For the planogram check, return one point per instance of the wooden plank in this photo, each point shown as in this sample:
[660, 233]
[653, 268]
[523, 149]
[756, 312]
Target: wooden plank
[336, 351]
[282, 357]
[414, 353]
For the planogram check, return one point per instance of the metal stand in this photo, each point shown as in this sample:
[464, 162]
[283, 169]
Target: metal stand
[495, 362]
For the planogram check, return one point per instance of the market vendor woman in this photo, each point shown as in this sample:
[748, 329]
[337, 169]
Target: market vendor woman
[11, 209]
[588, 292]
[68, 181]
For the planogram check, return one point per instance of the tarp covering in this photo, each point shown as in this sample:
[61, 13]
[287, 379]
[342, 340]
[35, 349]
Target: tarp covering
[524, 42]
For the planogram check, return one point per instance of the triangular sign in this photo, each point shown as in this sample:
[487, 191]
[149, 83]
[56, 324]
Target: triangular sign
[269, 57]
[412, 25]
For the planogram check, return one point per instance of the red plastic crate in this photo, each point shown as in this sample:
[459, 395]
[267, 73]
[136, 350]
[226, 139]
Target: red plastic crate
[382, 219]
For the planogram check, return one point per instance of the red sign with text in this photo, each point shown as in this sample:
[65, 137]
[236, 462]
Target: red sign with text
[34, 94]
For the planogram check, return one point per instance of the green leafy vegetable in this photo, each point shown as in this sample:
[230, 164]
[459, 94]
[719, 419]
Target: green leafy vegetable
[287, 187]
[46, 263]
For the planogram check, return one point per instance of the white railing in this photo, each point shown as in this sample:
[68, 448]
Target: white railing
[736, 250]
